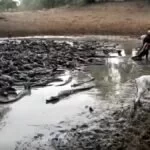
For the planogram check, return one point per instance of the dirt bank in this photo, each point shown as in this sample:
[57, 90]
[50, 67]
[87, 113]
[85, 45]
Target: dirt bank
[122, 18]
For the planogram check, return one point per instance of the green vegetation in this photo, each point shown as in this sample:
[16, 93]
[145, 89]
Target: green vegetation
[7, 4]
[39, 4]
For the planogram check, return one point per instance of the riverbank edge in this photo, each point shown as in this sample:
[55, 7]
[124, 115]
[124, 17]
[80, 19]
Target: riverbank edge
[75, 37]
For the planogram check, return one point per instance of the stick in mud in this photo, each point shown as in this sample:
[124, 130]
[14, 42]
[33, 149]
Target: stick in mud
[66, 93]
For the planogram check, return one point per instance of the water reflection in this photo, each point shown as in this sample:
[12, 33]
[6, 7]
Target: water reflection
[111, 77]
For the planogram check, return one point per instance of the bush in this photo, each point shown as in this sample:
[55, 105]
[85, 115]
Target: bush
[6, 4]
[39, 4]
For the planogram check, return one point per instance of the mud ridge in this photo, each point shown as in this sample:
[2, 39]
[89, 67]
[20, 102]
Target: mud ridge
[40, 61]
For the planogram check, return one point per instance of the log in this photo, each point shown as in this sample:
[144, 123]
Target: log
[66, 93]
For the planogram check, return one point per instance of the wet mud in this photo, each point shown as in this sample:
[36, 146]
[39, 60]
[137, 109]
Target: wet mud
[38, 62]
[115, 133]
[109, 122]
[118, 131]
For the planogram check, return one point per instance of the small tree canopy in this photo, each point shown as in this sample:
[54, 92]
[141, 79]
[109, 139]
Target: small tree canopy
[6, 4]
[37, 4]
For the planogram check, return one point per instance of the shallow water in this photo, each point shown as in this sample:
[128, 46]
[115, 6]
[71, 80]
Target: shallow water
[32, 111]
[27, 116]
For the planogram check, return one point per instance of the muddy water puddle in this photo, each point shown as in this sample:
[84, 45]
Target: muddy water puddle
[31, 112]
[31, 115]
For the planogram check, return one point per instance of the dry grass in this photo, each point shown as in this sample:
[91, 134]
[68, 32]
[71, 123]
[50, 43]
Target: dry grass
[126, 18]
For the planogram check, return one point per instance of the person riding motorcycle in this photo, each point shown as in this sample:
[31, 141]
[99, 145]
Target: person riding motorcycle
[146, 44]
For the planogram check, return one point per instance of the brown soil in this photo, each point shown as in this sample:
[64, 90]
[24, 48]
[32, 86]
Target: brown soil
[121, 18]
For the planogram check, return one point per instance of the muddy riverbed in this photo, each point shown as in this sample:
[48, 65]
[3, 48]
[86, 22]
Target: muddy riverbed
[97, 119]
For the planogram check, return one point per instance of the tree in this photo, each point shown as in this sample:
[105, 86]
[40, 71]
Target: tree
[39, 4]
[6, 4]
